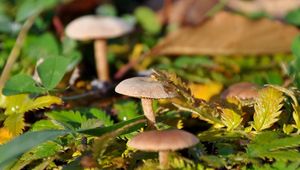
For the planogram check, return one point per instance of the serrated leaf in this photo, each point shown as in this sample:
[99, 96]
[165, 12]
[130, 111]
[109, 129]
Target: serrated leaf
[69, 119]
[102, 116]
[231, 119]
[132, 125]
[41, 151]
[15, 123]
[25, 142]
[267, 108]
[23, 103]
[52, 70]
[41, 103]
[91, 123]
[21, 84]
[274, 145]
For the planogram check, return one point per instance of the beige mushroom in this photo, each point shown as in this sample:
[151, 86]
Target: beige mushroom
[147, 89]
[163, 142]
[242, 91]
[98, 28]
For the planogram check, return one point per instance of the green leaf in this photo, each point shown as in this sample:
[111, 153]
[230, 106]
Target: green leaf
[274, 145]
[25, 142]
[106, 10]
[231, 119]
[132, 125]
[148, 20]
[41, 46]
[52, 70]
[21, 84]
[41, 151]
[32, 7]
[69, 119]
[45, 125]
[293, 69]
[296, 46]
[126, 110]
[102, 116]
[293, 17]
[267, 108]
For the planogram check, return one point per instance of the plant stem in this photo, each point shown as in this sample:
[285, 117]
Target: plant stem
[148, 110]
[164, 159]
[102, 65]
[15, 52]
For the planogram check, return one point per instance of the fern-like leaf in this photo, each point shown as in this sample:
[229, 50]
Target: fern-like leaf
[102, 116]
[274, 146]
[69, 119]
[267, 108]
[231, 119]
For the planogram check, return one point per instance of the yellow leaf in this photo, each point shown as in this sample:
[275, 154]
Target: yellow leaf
[205, 91]
[267, 108]
[15, 123]
[5, 135]
[179, 124]
[42, 102]
[2, 101]
[231, 119]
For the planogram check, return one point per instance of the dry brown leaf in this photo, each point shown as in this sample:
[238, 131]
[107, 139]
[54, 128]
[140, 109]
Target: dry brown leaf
[276, 8]
[188, 12]
[230, 34]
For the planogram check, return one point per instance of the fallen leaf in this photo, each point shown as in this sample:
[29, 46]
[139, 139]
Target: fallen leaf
[275, 8]
[205, 91]
[5, 135]
[230, 34]
[188, 12]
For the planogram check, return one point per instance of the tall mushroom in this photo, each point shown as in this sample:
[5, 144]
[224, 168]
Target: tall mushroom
[163, 142]
[147, 89]
[98, 28]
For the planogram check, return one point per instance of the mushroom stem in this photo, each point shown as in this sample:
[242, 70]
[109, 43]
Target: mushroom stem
[101, 60]
[164, 158]
[148, 110]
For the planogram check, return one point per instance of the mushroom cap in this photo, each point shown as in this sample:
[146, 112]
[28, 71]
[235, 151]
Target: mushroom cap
[143, 87]
[91, 27]
[243, 91]
[163, 140]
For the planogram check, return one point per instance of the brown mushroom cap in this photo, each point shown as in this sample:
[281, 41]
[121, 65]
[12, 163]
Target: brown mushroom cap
[163, 140]
[143, 87]
[242, 91]
[97, 27]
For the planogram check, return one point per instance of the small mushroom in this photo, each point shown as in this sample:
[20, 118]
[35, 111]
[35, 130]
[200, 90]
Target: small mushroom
[98, 28]
[163, 142]
[147, 89]
[242, 91]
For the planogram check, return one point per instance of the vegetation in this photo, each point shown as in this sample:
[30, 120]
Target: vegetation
[54, 115]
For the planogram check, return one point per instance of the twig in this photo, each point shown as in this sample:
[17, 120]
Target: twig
[14, 54]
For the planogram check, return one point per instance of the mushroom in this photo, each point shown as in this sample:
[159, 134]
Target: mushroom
[98, 28]
[242, 91]
[147, 89]
[163, 142]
